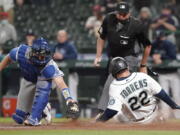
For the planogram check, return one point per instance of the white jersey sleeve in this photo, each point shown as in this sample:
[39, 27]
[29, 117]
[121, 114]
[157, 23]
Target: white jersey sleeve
[114, 99]
[154, 86]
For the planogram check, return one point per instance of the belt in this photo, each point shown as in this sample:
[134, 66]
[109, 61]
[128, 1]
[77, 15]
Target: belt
[137, 120]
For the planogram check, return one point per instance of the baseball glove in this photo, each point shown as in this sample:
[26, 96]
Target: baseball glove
[73, 110]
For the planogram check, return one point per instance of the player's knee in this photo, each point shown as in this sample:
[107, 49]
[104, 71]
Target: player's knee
[19, 116]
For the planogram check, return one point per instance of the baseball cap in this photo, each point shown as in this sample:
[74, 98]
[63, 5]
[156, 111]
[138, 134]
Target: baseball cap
[97, 8]
[167, 6]
[122, 7]
[30, 33]
[3, 14]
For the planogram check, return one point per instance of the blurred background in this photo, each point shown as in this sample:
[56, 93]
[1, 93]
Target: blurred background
[71, 28]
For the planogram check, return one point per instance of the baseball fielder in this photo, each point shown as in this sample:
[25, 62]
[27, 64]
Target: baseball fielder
[38, 71]
[133, 95]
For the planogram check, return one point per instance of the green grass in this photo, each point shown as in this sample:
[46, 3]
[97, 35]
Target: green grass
[87, 132]
[5, 120]
[10, 120]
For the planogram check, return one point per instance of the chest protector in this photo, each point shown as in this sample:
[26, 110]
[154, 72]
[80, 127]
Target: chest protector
[28, 71]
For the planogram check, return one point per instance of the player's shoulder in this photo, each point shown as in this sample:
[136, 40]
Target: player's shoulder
[51, 70]
[135, 20]
[70, 45]
[23, 49]
[114, 89]
[23, 45]
[120, 83]
[15, 51]
[91, 18]
[126, 80]
[51, 62]
[141, 74]
[110, 16]
[51, 65]
[10, 26]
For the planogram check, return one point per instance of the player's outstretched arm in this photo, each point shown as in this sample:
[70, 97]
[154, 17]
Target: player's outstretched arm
[163, 96]
[72, 106]
[64, 88]
[5, 62]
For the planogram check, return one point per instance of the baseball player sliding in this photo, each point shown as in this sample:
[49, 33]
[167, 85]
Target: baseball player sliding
[133, 95]
[38, 71]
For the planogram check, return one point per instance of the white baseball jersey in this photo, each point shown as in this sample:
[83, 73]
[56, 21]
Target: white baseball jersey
[133, 96]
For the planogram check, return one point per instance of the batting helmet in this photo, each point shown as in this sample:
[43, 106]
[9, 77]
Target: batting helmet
[117, 65]
[40, 53]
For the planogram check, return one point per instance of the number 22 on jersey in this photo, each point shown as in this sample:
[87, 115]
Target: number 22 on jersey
[137, 102]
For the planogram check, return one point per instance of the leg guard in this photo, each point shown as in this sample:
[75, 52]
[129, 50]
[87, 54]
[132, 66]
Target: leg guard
[19, 116]
[40, 101]
[46, 114]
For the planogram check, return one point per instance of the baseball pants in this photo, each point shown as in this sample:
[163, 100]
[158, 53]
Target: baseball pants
[26, 95]
[153, 117]
[167, 81]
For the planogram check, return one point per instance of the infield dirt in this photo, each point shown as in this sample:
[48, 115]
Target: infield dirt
[86, 125]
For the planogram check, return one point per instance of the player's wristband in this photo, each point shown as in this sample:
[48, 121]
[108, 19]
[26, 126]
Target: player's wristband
[143, 65]
[66, 93]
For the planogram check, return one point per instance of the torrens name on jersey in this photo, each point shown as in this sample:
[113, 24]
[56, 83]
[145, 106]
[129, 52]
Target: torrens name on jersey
[133, 87]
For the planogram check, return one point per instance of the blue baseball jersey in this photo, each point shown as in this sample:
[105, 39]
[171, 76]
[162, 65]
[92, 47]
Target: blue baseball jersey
[31, 72]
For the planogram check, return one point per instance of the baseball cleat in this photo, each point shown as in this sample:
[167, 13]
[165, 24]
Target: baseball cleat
[31, 122]
[27, 123]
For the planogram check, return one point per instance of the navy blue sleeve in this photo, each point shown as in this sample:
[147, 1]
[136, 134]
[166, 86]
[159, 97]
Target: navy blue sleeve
[71, 53]
[163, 96]
[171, 51]
[108, 114]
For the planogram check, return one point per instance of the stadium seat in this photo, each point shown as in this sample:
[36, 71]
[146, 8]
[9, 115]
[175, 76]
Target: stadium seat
[46, 20]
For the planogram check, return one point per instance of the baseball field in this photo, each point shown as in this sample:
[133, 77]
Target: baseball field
[86, 127]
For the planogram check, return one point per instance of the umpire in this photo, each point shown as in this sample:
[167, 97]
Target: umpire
[121, 30]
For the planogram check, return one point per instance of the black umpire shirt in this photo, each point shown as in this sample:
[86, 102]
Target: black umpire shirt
[121, 35]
